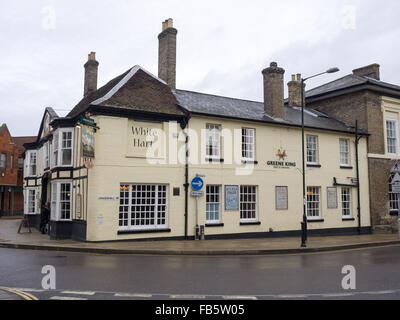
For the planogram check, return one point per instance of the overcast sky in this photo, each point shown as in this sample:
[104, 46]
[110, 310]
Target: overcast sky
[222, 46]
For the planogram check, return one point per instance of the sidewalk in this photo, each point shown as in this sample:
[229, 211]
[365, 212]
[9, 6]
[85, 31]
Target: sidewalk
[10, 239]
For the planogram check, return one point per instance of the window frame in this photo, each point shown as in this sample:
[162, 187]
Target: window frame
[316, 162]
[29, 163]
[348, 201]
[348, 152]
[28, 200]
[241, 202]
[393, 197]
[154, 227]
[210, 132]
[252, 145]
[308, 202]
[46, 155]
[58, 148]
[396, 130]
[55, 191]
[218, 203]
[3, 168]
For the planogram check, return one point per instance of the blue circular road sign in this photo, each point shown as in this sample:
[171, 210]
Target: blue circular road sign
[197, 184]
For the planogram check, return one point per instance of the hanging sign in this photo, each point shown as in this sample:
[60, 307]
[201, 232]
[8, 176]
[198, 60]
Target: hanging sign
[87, 141]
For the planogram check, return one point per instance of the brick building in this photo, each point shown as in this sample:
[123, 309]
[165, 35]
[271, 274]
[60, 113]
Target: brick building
[375, 104]
[11, 172]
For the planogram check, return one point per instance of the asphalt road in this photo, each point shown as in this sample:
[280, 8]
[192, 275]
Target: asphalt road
[303, 276]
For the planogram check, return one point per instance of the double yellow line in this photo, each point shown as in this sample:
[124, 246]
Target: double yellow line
[24, 295]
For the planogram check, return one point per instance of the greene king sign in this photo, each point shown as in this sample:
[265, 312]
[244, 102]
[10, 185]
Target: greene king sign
[281, 164]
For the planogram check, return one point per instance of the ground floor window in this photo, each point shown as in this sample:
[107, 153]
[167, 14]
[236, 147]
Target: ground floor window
[248, 203]
[313, 203]
[213, 200]
[393, 197]
[346, 202]
[61, 201]
[31, 201]
[143, 206]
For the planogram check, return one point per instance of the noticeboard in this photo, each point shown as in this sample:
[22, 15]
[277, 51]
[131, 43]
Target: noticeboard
[231, 198]
[281, 198]
[332, 198]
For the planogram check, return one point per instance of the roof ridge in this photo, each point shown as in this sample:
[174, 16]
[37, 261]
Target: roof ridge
[325, 84]
[219, 96]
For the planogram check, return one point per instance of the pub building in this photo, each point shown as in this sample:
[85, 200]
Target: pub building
[119, 166]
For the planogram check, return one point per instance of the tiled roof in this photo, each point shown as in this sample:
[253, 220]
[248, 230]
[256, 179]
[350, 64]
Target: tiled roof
[211, 105]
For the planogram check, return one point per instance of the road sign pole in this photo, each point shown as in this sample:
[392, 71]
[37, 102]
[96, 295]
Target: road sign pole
[197, 237]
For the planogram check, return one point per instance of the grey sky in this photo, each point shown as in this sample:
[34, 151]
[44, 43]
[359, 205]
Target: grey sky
[222, 46]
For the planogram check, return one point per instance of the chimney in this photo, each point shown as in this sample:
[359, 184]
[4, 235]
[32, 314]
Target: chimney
[167, 53]
[91, 68]
[273, 91]
[295, 91]
[371, 71]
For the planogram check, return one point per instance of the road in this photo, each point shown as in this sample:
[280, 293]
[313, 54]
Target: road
[302, 276]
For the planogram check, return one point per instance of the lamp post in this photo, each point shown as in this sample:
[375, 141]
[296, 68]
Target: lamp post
[303, 102]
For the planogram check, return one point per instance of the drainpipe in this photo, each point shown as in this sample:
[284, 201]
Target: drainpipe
[358, 180]
[185, 125]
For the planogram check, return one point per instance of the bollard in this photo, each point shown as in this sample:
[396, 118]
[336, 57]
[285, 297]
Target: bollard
[202, 236]
[303, 235]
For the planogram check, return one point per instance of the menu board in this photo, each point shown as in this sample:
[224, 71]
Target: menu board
[232, 198]
[332, 198]
[281, 198]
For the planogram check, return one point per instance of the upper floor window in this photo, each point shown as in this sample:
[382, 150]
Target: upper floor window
[62, 148]
[344, 152]
[20, 165]
[12, 163]
[391, 136]
[3, 161]
[312, 149]
[46, 155]
[213, 141]
[32, 163]
[248, 144]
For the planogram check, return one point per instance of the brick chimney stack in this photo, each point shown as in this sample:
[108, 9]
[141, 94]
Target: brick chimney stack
[167, 53]
[274, 91]
[295, 91]
[372, 71]
[91, 69]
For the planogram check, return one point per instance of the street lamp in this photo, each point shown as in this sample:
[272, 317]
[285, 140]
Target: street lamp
[303, 102]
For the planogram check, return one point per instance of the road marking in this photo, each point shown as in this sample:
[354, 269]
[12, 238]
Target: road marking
[20, 293]
[239, 297]
[85, 293]
[133, 295]
[186, 296]
[334, 295]
[66, 298]
[30, 290]
[292, 296]
[380, 292]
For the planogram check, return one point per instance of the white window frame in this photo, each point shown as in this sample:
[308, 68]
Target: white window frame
[347, 212]
[58, 147]
[128, 202]
[213, 133]
[248, 144]
[29, 155]
[28, 201]
[345, 160]
[46, 155]
[244, 202]
[315, 144]
[313, 198]
[56, 200]
[396, 131]
[213, 192]
[393, 197]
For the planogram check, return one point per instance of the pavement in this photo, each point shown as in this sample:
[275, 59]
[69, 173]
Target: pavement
[9, 238]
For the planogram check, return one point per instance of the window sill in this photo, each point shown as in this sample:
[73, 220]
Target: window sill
[315, 220]
[249, 161]
[210, 160]
[143, 231]
[346, 167]
[250, 223]
[348, 219]
[311, 165]
[214, 225]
